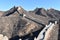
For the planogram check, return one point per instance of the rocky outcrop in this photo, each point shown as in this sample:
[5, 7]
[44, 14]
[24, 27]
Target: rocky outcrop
[29, 28]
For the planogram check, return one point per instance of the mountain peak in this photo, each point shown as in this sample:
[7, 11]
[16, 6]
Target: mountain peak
[39, 9]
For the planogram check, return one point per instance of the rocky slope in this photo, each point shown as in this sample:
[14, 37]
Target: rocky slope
[19, 22]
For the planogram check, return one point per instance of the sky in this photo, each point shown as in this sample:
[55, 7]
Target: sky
[29, 4]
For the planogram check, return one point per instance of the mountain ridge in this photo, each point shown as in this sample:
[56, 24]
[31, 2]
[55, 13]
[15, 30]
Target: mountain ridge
[23, 22]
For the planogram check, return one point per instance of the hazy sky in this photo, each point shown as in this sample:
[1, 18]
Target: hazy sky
[30, 4]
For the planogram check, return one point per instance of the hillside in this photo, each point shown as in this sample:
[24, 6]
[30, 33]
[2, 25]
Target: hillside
[19, 22]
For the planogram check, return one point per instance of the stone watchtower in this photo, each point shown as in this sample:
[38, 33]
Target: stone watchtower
[19, 10]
